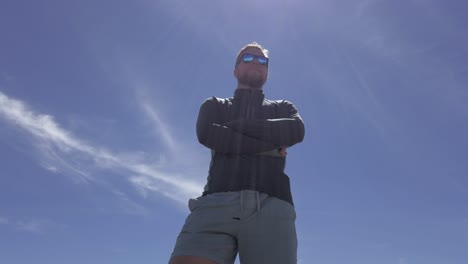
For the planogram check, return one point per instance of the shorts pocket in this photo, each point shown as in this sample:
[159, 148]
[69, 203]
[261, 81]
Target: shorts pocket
[194, 203]
[282, 209]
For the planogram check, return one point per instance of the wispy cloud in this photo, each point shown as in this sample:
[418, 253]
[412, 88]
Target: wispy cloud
[160, 126]
[5, 77]
[70, 155]
[3, 221]
[33, 226]
[402, 261]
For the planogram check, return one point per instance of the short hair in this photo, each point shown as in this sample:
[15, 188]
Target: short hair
[251, 45]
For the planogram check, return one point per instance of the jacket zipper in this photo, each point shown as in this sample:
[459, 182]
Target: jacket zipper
[250, 110]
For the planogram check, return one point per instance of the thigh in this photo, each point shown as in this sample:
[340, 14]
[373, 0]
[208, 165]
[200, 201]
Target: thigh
[207, 233]
[217, 248]
[190, 260]
[270, 237]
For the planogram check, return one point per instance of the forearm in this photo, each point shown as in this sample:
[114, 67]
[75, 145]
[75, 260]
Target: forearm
[225, 140]
[280, 132]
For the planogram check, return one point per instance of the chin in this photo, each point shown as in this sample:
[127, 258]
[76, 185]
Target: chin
[257, 84]
[253, 80]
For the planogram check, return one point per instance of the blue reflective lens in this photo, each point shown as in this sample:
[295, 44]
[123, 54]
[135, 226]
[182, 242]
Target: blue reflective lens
[262, 60]
[248, 58]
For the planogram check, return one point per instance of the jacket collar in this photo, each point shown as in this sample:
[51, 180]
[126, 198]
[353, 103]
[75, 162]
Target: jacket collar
[253, 95]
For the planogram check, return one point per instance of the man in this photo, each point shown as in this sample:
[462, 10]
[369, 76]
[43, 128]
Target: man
[247, 206]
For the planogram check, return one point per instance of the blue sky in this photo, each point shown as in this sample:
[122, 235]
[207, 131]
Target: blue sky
[98, 103]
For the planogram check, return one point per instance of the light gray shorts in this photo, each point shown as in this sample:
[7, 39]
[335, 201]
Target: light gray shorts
[259, 227]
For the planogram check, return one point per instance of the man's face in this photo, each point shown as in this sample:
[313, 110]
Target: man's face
[251, 74]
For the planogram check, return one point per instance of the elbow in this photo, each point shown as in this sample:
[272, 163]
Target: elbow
[299, 133]
[202, 135]
[202, 139]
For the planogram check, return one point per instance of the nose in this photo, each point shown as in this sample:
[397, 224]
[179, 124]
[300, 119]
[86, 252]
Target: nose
[255, 61]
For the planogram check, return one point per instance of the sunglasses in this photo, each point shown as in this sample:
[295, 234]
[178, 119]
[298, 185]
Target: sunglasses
[248, 58]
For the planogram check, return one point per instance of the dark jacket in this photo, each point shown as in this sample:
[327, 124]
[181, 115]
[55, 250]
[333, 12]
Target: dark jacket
[245, 134]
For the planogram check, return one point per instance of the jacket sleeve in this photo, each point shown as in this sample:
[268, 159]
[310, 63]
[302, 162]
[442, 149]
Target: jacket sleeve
[223, 139]
[286, 130]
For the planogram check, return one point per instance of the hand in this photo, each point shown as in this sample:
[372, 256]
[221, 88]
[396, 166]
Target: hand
[282, 152]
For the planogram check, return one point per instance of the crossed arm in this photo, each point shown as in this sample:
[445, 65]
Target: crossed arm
[248, 136]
